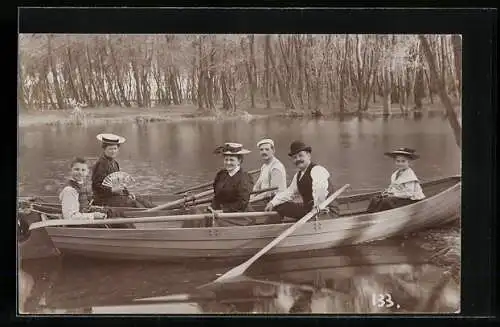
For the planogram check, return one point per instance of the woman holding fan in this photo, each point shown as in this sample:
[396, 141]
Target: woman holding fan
[104, 192]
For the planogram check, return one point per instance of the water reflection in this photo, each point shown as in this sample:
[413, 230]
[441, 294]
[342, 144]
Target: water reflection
[329, 281]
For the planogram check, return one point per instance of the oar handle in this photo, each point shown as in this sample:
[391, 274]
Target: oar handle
[194, 188]
[208, 200]
[181, 202]
[175, 203]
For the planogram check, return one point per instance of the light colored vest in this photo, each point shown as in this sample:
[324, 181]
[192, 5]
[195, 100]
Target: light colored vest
[406, 182]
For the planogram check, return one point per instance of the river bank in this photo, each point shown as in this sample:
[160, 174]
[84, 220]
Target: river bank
[98, 116]
[177, 113]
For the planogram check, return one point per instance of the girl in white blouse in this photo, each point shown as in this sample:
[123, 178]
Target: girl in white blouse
[404, 188]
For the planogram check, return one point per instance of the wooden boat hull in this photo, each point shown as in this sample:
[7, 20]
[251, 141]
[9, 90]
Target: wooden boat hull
[151, 243]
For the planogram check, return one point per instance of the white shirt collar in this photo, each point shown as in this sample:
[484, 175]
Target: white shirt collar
[81, 182]
[234, 171]
[266, 164]
[300, 174]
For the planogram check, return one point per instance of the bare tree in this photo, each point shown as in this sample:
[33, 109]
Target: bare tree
[443, 95]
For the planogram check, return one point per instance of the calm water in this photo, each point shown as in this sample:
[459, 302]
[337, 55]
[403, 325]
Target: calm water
[165, 157]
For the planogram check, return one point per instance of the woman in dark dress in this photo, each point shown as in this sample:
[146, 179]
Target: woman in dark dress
[232, 185]
[117, 196]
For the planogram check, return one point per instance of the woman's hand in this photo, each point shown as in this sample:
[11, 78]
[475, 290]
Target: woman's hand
[211, 210]
[117, 189]
[387, 192]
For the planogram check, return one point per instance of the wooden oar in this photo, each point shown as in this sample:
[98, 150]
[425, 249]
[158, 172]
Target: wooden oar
[239, 270]
[208, 200]
[175, 203]
[78, 222]
[181, 202]
[179, 298]
[194, 188]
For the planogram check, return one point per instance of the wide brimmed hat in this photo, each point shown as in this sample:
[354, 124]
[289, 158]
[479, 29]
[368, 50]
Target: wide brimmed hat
[298, 146]
[230, 148]
[111, 139]
[265, 141]
[405, 152]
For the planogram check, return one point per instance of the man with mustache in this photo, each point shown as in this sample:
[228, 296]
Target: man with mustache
[312, 183]
[272, 172]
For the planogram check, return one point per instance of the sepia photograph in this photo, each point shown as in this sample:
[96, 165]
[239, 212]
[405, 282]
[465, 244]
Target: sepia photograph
[239, 174]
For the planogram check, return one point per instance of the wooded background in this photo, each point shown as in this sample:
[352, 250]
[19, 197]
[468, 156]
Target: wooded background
[315, 73]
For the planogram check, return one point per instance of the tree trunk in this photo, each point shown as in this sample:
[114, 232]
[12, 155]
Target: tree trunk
[285, 96]
[359, 74]
[72, 80]
[452, 115]
[226, 100]
[343, 76]
[137, 80]
[168, 91]
[443, 62]
[91, 75]
[118, 77]
[201, 77]
[267, 74]
[100, 78]
[456, 42]
[53, 69]
[109, 81]
[300, 68]
[254, 68]
[419, 87]
[84, 84]
[386, 78]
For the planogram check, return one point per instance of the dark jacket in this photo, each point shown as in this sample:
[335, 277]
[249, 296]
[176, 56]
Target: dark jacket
[102, 168]
[232, 194]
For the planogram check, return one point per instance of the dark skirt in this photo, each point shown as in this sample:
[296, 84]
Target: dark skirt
[125, 201]
[381, 203]
[296, 211]
[118, 201]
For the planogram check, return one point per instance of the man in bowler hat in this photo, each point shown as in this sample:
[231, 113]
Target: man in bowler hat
[312, 183]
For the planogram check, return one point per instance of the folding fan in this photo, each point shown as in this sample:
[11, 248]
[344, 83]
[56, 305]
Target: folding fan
[117, 179]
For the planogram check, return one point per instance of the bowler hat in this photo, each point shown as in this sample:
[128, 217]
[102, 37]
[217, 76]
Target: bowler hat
[298, 146]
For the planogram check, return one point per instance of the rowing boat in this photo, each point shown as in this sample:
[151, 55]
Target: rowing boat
[354, 226]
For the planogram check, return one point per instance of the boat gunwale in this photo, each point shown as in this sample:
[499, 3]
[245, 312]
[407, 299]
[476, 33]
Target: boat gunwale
[254, 238]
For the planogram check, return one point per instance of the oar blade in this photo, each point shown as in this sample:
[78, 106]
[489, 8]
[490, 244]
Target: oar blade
[231, 276]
